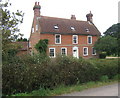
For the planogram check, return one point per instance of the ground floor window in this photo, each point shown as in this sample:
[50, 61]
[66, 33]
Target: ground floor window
[93, 51]
[63, 51]
[85, 51]
[52, 52]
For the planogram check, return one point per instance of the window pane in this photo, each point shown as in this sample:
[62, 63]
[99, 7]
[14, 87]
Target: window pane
[74, 39]
[57, 38]
[63, 51]
[94, 51]
[52, 52]
[89, 40]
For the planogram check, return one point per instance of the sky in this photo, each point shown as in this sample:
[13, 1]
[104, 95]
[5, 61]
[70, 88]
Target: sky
[105, 12]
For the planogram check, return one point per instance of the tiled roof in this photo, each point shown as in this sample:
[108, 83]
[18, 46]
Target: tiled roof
[64, 26]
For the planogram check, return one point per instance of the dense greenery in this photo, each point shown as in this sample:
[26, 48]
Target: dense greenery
[9, 28]
[113, 31]
[28, 73]
[42, 45]
[109, 43]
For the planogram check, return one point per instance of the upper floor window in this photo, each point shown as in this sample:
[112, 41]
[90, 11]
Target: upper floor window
[93, 51]
[85, 51]
[56, 27]
[57, 39]
[52, 52]
[32, 30]
[75, 39]
[36, 27]
[89, 39]
[63, 51]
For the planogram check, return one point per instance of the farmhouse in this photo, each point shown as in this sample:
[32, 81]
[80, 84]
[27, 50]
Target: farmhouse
[66, 36]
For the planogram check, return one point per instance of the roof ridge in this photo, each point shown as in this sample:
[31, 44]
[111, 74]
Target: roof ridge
[61, 18]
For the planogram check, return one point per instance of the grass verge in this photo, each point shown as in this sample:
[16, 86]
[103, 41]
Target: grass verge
[67, 89]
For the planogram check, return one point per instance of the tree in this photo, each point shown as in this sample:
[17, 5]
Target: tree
[9, 27]
[113, 31]
[107, 44]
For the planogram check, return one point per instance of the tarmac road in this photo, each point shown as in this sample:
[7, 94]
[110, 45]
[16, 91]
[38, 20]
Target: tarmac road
[109, 90]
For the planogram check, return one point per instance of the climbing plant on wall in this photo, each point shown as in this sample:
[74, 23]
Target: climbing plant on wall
[42, 45]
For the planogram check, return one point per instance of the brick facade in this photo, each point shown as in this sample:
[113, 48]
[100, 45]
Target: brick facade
[47, 27]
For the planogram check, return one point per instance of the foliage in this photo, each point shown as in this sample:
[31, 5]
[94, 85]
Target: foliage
[113, 31]
[104, 78]
[102, 55]
[28, 73]
[22, 39]
[41, 46]
[107, 44]
[9, 27]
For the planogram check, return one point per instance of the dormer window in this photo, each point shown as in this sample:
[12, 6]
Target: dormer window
[56, 27]
[72, 28]
[87, 30]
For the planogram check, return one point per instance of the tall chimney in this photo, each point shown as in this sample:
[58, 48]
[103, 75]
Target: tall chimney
[36, 9]
[73, 17]
[89, 17]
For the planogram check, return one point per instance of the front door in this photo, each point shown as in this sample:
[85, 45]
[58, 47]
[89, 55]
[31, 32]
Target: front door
[75, 52]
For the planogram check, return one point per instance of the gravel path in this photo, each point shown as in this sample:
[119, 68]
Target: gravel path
[109, 90]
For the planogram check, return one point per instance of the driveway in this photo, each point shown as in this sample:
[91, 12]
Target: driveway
[109, 90]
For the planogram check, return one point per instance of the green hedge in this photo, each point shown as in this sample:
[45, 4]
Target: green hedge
[24, 74]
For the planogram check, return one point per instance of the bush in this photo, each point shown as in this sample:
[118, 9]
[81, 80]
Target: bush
[102, 55]
[28, 73]
[104, 78]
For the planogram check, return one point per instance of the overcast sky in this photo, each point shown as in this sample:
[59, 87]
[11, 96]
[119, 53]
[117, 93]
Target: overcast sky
[105, 12]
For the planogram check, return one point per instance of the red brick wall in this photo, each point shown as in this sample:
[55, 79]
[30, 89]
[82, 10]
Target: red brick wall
[66, 41]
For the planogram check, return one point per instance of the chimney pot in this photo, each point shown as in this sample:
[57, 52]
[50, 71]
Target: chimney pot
[73, 17]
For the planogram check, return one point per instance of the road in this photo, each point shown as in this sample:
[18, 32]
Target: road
[109, 90]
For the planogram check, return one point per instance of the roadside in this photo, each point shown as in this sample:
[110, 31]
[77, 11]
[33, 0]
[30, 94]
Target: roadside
[61, 90]
[109, 90]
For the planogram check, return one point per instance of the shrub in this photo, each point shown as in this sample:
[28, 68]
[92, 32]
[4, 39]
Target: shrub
[28, 73]
[104, 78]
[102, 55]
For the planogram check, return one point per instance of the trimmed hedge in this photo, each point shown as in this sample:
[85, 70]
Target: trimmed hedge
[28, 73]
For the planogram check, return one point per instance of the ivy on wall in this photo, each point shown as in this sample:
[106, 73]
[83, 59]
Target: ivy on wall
[42, 45]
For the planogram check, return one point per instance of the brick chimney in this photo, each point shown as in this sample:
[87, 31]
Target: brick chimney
[36, 9]
[73, 17]
[89, 17]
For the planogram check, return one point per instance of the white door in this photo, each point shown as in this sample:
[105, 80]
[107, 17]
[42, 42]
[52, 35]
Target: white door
[75, 52]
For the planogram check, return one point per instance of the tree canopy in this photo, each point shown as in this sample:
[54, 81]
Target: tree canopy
[113, 31]
[9, 26]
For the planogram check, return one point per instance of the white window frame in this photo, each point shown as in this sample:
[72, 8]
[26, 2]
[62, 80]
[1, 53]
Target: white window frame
[83, 51]
[93, 49]
[88, 39]
[36, 27]
[54, 53]
[55, 39]
[29, 44]
[76, 39]
[32, 30]
[65, 51]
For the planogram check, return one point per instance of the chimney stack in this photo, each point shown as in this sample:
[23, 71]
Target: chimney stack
[89, 17]
[73, 17]
[36, 9]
